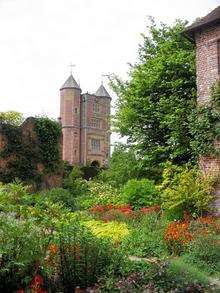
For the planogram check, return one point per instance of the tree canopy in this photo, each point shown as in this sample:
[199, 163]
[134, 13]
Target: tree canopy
[156, 102]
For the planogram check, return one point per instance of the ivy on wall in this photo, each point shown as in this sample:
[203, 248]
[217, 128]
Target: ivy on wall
[26, 149]
[205, 125]
[49, 133]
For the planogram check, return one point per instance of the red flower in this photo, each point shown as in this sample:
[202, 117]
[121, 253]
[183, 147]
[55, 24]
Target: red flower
[147, 210]
[37, 280]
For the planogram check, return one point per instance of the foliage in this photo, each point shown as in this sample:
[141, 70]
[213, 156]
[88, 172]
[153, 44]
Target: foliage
[113, 230]
[204, 125]
[183, 273]
[29, 156]
[100, 194]
[156, 102]
[76, 186]
[123, 165]
[49, 133]
[146, 238]
[173, 276]
[61, 195]
[90, 171]
[22, 246]
[140, 193]
[186, 189]
[204, 249]
[11, 117]
[79, 258]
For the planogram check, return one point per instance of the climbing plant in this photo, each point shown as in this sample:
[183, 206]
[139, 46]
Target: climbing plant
[48, 132]
[205, 125]
[23, 154]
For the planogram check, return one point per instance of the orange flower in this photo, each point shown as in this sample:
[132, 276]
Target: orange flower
[179, 232]
[53, 248]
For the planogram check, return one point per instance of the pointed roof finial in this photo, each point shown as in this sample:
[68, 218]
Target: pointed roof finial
[103, 76]
[71, 68]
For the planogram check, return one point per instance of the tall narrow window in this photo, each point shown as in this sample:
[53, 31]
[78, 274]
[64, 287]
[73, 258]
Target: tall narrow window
[95, 144]
[96, 107]
[218, 44]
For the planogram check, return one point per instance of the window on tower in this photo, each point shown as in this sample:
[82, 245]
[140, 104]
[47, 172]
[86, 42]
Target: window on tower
[75, 110]
[96, 122]
[96, 108]
[95, 144]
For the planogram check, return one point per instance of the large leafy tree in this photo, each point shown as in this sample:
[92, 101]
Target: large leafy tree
[156, 102]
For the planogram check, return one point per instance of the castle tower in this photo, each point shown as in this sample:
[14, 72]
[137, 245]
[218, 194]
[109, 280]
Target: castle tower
[70, 108]
[85, 124]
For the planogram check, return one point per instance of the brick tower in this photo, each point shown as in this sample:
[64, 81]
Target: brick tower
[205, 33]
[85, 124]
[70, 108]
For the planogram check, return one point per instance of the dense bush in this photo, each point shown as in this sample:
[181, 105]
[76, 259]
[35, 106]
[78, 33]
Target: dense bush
[174, 276]
[146, 238]
[64, 196]
[75, 184]
[77, 258]
[100, 194]
[185, 189]
[22, 248]
[204, 249]
[140, 193]
[111, 230]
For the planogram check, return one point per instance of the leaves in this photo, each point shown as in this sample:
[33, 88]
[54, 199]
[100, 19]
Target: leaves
[155, 103]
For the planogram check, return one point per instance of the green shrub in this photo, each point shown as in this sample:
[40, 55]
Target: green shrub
[204, 252]
[22, 247]
[78, 258]
[111, 230]
[186, 189]
[146, 239]
[184, 273]
[100, 194]
[177, 276]
[140, 193]
[174, 276]
[61, 195]
[75, 184]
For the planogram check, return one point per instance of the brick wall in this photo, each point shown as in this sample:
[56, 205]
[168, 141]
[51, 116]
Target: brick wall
[207, 74]
[207, 61]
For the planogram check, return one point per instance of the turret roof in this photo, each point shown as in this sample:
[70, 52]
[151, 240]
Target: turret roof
[102, 92]
[70, 83]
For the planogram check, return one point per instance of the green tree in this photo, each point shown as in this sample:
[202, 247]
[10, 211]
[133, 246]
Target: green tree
[123, 165]
[155, 104]
[11, 117]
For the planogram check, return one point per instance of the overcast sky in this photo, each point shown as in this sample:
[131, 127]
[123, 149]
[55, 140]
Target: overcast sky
[40, 38]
